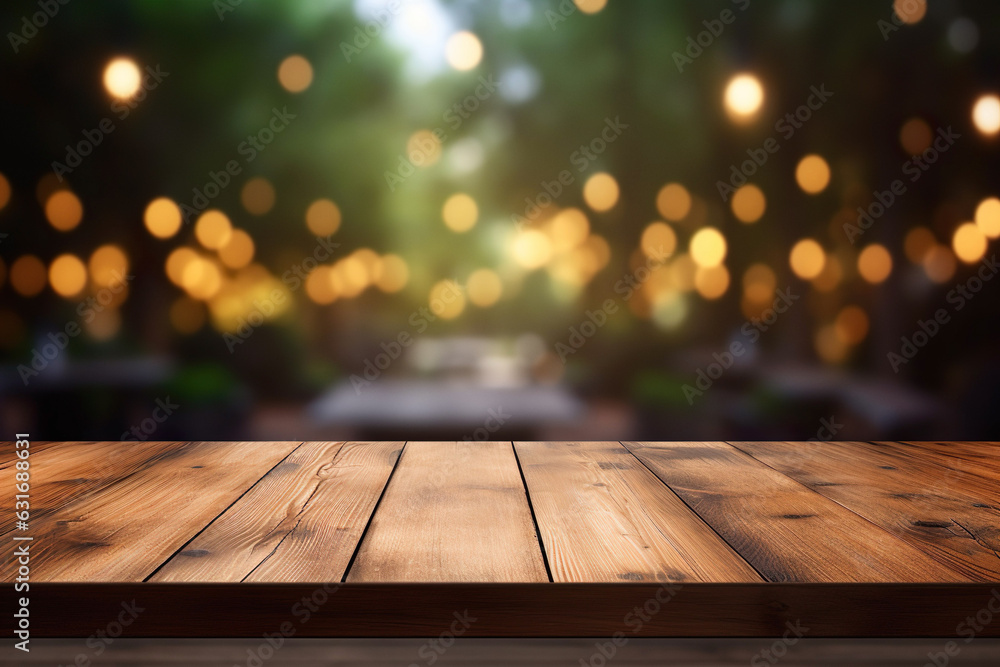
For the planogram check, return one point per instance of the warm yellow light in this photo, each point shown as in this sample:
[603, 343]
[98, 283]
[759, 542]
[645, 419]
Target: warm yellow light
[658, 240]
[601, 192]
[257, 196]
[4, 191]
[744, 96]
[27, 275]
[320, 286]
[105, 325]
[484, 288]
[812, 174]
[708, 247]
[807, 259]
[749, 204]
[986, 114]
[67, 275]
[162, 218]
[238, 251]
[910, 11]
[108, 266]
[460, 212]
[851, 325]
[395, 274]
[830, 276]
[423, 148]
[759, 283]
[988, 217]
[875, 263]
[446, 299]
[295, 74]
[939, 264]
[711, 282]
[122, 78]
[463, 50]
[590, 6]
[915, 136]
[323, 217]
[532, 249]
[64, 210]
[568, 229]
[177, 262]
[969, 243]
[673, 201]
[213, 229]
[918, 243]
[829, 346]
[682, 271]
[201, 279]
[599, 248]
[187, 315]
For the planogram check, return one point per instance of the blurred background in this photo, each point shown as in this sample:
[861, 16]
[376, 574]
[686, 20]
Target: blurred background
[600, 219]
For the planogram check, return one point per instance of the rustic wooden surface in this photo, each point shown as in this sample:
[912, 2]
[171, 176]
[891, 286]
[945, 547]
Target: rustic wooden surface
[559, 539]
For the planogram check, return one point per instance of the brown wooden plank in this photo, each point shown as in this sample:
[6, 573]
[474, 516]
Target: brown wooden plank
[453, 511]
[8, 452]
[302, 522]
[604, 517]
[74, 470]
[908, 496]
[785, 530]
[124, 531]
[980, 458]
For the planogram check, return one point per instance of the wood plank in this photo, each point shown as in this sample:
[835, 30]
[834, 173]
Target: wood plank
[302, 522]
[124, 531]
[453, 511]
[604, 517]
[913, 499]
[785, 530]
[8, 452]
[980, 458]
[75, 470]
[506, 610]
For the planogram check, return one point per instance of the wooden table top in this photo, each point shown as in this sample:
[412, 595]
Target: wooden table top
[542, 538]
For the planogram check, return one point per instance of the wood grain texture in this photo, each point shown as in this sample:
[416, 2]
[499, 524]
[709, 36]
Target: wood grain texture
[945, 513]
[301, 522]
[453, 511]
[604, 517]
[785, 530]
[75, 470]
[130, 526]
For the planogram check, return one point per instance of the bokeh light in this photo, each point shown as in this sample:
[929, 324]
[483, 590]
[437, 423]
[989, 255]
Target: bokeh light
[601, 192]
[460, 212]
[446, 299]
[590, 6]
[807, 259]
[744, 96]
[238, 251]
[915, 136]
[395, 274]
[829, 346]
[28, 275]
[213, 229]
[257, 196]
[851, 325]
[4, 191]
[295, 74]
[812, 174]
[201, 278]
[122, 78]
[323, 217]
[969, 243]
[910, 11]
[162, 218]
[711, 282]
[658, 240]
[108, 266]
[986, 114]
[708, 247]
[940, 264]
[463, 50]
[532, 249]
[569, 228]
[673, 201]
[759, 283]
[918, 243]
[988, 217]
[67, 275]
[484, 288]
[749, 204]
[874, 263]
[64, 210]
